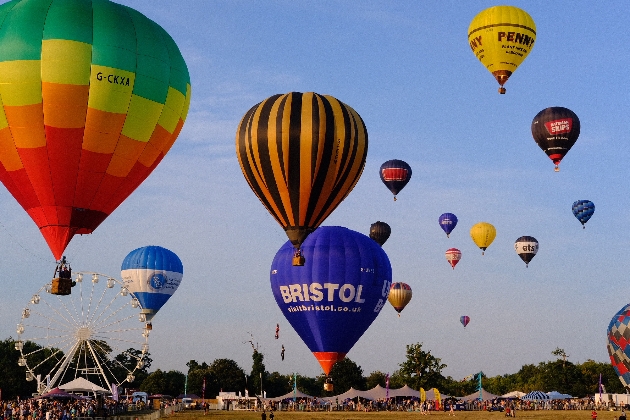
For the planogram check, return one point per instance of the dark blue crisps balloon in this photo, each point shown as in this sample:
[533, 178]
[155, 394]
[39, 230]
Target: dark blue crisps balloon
[395, 174]
[332, 300]
[583, 210]
[447, 222]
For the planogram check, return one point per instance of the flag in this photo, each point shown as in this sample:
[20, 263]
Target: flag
[600, 387]
[203, 391]
[387, 386]
[115, 392]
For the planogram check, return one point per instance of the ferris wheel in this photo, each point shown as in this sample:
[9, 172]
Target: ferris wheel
[96, 332]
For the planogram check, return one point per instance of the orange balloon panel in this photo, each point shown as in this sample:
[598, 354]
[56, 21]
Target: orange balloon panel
[93, 95]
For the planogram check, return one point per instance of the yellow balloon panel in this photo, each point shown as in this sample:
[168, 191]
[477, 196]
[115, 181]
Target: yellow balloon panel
[483, 234]
[501, 37]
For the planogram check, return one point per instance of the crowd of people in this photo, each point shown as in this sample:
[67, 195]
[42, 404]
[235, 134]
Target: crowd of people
[67, 408]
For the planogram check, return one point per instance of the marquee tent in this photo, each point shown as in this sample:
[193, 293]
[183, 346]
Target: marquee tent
[513, 394]
[485, 396]
[555, 395]
[82, 385]
[298, 394]
[536, 396]
[378, 392]
[57, 393]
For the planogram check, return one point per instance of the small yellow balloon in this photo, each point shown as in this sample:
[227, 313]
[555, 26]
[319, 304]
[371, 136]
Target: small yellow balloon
[399, 296]
[483, 234]
[501, 37]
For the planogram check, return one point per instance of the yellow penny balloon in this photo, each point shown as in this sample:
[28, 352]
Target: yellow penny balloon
[501, 38]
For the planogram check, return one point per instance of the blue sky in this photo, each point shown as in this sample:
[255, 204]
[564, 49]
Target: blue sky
[407, 69]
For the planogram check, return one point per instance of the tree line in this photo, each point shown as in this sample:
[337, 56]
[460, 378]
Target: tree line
[420, 369]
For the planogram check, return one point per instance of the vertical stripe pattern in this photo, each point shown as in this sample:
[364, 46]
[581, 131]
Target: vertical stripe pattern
[93, 94]
[301, 153]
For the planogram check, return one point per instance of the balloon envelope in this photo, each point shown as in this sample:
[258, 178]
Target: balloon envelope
[583, 210]
[464, 320]
[501, 37]
[556, 130]
[483, 234]
[447, 222]
[526, 247]
[93, 96]
[335, 296]
[395, 174]
[618, 347]
[453, 255]
[399, 296]
[380, 232]
[152, 274]
[301, 154]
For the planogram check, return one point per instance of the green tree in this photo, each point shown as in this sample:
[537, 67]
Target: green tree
[258, 373]
[175, 381]
[375, 378]
[346, 374]
[276, 384]
[127, 361]
[224, 375]
[560, 353]
[155, 383]
[421, 369]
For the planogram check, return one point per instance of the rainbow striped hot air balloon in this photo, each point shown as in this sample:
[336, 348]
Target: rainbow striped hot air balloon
[93, 95]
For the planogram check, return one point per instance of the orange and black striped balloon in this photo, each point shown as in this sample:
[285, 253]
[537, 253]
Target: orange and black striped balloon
[301, 153]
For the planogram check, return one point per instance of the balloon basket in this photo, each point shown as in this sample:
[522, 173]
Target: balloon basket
[298, 259]
[502, 90]
[328, 385]
[61, 287]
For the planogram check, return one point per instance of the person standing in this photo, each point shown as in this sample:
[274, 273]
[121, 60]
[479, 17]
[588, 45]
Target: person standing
[594, 415]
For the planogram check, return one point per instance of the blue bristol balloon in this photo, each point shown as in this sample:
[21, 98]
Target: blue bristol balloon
[448, 221]
[583, 210]
[332, 300]
[152, 274]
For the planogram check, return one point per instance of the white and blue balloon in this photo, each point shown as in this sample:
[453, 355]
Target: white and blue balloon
[152, 274]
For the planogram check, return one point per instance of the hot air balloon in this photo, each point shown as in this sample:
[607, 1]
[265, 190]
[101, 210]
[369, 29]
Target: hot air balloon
[395, 174]
[526, 247]
[501, 37]
[301, 153]
[399, 296]
[464, 319]
[453, 255]
[556, 130]
[447, 222]
[93, 96]
[152, 274]
[483, 234]
[335, 296]
[380, 232]
[618, 345]
[583, 210]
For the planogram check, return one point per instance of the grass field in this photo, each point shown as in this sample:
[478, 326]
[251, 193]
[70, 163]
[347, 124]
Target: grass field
[352, 415]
